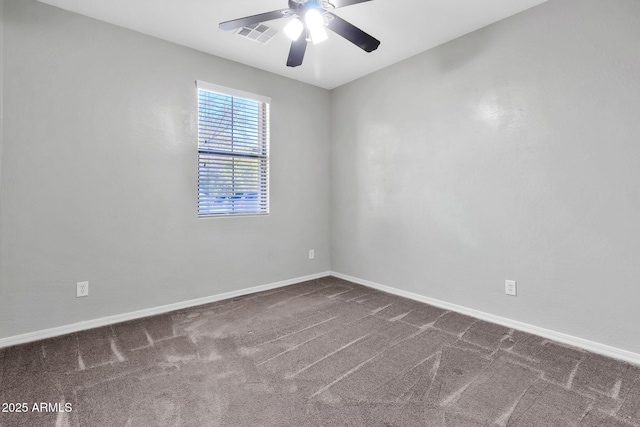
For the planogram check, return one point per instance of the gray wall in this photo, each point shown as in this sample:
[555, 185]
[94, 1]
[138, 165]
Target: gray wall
[510, 153]
[1, 86]
[1, 125]
[99, 175]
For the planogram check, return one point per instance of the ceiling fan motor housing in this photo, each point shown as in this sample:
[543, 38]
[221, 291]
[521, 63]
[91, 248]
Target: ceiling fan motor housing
[301, 6]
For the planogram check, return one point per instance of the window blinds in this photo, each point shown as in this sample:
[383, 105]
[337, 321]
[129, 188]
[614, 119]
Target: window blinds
[233, 152]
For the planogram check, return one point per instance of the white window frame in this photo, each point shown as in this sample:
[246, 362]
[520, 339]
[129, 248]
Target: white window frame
[264, 170]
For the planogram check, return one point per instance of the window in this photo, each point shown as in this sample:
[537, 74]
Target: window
[233, 152]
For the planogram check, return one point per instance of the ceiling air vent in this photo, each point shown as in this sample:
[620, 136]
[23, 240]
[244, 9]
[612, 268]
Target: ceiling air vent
[257, 32]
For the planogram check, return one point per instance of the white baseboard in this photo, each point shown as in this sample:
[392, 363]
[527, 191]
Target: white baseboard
[109, 320]
[591, 346]
[594, 347]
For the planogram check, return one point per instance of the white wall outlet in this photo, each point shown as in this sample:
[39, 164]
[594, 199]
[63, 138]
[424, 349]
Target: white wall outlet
[312, 254]
[510, 287]
[82, 290]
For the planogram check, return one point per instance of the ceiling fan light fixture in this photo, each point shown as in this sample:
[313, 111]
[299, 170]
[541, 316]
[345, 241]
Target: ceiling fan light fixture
[315, 24]
[293, 29]
[318, 36]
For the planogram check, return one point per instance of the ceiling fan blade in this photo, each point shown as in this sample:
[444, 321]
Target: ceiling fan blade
[342, 3]
[352, 33]
[253, 19]
[296, 53]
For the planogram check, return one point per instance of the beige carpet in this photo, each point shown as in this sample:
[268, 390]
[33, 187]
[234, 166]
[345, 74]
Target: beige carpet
[325, 352]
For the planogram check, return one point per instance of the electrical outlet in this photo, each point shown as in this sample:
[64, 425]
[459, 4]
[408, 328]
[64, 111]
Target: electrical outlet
[510, 287]
[312, 254]
[82, 290]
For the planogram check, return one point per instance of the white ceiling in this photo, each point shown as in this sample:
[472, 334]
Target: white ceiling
[405, 28]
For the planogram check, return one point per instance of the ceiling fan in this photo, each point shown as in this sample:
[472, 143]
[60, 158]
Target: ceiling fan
[310, 17]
